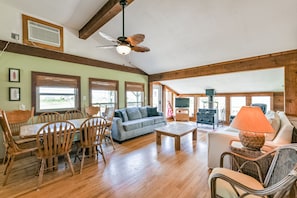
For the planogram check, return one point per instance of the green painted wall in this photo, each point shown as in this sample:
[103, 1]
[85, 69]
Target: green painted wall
[26, 64]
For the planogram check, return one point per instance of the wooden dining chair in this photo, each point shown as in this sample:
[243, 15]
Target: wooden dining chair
[48, 117]
[92, 111]
[91, 134]
[18, 118]
[54, 139]
[109, 114]
[12, 148]
[73, 114]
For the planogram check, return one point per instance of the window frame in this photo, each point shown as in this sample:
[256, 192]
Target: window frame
[104, 80]
[136, 87]
[34, 87]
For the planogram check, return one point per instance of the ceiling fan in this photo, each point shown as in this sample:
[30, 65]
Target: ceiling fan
[125, 44]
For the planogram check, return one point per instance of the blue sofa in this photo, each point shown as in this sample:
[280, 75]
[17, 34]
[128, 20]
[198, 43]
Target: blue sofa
[135, 121]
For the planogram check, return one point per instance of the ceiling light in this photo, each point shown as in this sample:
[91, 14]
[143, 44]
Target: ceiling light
[123, 49]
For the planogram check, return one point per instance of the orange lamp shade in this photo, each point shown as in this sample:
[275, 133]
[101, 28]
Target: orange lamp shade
[251, 119]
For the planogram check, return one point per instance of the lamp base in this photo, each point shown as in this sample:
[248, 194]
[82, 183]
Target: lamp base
[252, 141]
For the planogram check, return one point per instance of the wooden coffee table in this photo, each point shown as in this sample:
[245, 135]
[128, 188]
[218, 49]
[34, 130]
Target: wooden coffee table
[176, 130]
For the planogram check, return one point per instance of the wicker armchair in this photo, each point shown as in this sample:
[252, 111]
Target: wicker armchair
[280, 180]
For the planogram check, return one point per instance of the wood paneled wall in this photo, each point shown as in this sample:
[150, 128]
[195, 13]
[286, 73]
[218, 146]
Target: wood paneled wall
[291, 89]
[286, 59]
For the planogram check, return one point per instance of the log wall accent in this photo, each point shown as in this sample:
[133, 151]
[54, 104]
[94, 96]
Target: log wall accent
[291, 89]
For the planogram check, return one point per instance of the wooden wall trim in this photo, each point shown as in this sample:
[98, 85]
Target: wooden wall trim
[43, 53]
[273, 60]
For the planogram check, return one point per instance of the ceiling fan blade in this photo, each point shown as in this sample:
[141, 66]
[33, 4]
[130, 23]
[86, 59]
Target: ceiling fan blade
[107, 37]
[107, 46]
[135, 39]
[140, 49]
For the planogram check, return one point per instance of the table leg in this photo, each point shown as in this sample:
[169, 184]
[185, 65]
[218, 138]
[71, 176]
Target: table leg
[158, 138]
[195, 134]
[177, 143]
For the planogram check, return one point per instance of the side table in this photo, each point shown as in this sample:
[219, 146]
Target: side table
[250, 168]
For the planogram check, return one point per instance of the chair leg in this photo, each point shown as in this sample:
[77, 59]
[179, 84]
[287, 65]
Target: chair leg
[41, 171]
[101, 152]
[112, 142]
[8, 168]
[5, 158]
[6, 164]
[70, 163]
[82, 160]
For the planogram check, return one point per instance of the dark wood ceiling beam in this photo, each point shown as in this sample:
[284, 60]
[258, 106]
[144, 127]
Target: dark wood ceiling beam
[274, 60]
[106, 13]
[43, 53]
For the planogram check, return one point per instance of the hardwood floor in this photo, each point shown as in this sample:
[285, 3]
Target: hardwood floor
[137, 168]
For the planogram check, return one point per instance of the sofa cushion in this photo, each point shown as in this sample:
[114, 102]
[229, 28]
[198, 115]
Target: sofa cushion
[131, 125]
[118, 114]
[158, 119]
[274, 120]
[143, 111]
[124, 115]
[152, 111]
[133, 113]
[147, 122]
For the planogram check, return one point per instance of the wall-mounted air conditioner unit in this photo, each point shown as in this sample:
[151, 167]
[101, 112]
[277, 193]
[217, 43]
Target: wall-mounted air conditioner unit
[43, 34]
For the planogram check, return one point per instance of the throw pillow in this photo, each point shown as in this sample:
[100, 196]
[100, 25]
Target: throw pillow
[152, 111]
[133, 113]
[124, 114]
[274, 120]
[143, 111]
[284, 135]
[119, 114]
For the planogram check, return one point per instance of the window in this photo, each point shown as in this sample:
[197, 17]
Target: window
[55, 92]
[103, 93]
[157, 96]
[134, 94]
[220, 102]
[236, 103]
[262, 99]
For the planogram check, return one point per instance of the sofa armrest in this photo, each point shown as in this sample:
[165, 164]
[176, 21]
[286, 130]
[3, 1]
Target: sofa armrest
[217, 144]
[117, 128]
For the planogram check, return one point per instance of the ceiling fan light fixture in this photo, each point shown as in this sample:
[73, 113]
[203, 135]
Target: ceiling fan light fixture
[123, 49]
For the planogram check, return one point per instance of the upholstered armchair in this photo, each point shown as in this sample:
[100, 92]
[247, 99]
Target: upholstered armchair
[280, 180]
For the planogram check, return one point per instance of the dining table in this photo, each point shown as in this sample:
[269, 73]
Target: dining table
[30, 130]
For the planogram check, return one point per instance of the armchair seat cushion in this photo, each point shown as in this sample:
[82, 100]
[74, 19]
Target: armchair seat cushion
[224, 189]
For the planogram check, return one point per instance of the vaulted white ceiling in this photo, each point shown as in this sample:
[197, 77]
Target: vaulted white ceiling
[183, 34]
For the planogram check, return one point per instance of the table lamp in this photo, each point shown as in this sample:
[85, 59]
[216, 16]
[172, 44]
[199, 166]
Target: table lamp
[253, 125]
